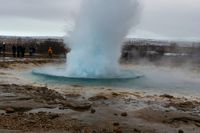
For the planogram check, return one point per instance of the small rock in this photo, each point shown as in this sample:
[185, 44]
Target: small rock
[117, 129]
[115, 94]
[124, 114]
[167, 96]
[184, 106]
[62, 108]
[115, 114]
[180, 131]
[98, 97]
[93, 131]
[104, 131]
[137, 131]
[78, 86]
[93, 111]
[9, 110]
[31, 121]
[115, 124]
[77, 105]
[197, 124]
[53, 116]
[72, 95]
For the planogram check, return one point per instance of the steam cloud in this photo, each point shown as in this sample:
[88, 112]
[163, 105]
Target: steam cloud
[98, 35]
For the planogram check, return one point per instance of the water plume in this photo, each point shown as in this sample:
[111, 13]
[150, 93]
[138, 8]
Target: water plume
[98, 35]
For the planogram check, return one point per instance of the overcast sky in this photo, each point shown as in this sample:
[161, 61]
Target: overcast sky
[172, 19]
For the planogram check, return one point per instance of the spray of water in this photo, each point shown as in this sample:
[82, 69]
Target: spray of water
[98, 34]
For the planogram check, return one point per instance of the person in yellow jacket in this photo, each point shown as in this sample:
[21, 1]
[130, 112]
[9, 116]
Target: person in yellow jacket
[50, 52]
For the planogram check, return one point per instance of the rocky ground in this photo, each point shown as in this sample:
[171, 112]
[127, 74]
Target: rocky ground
[34, 108]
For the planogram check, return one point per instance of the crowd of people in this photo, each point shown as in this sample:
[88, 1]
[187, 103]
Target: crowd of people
[17, 50]
[20, 50]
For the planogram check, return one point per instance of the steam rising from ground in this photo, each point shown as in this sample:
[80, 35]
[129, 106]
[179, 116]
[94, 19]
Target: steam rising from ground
[98, 35]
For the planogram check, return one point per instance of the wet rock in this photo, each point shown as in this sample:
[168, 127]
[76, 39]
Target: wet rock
[78, 105]
[43, 89]
[62, 108]
[137, 131]
[167, 96]
[93, 131]
[98, 97]
[180, 131]
[78, 86]
[124, 114]
[115, 124]
[31, 121]
[10, 110]
[92, 111]
[115, 94]
[185, 106]
[24, 98]
[186, 119]
[197, 124]
[116, 128]
[22, 109]
[53, 116]
[72, 95]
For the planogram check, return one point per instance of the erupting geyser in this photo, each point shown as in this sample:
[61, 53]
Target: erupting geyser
[98, 35]
[96, 40]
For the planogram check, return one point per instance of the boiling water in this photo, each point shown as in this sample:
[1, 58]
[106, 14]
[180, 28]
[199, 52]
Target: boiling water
[96, 40]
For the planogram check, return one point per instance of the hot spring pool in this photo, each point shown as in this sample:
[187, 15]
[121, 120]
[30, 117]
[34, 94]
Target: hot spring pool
[121, 79]
[159, 80]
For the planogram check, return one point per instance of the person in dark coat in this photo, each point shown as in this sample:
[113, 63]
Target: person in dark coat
[31, 51]
[23, 51]
[1, 46]
[18, 50]
[34, 50]
[14, 50]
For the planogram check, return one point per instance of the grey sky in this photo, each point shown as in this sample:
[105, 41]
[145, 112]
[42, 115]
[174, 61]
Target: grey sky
[174, 19]
[171, 18]
[36, 17]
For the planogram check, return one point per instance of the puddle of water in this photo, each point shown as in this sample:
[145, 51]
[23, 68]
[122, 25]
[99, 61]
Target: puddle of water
[48, 110]
[7, 95]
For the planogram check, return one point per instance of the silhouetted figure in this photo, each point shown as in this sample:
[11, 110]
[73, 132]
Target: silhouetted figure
[4, 49]
[1, 46]
[34, 50]
[125, 55]
[23, 51]
[18, 50]
[31, 51]
[14, 50]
